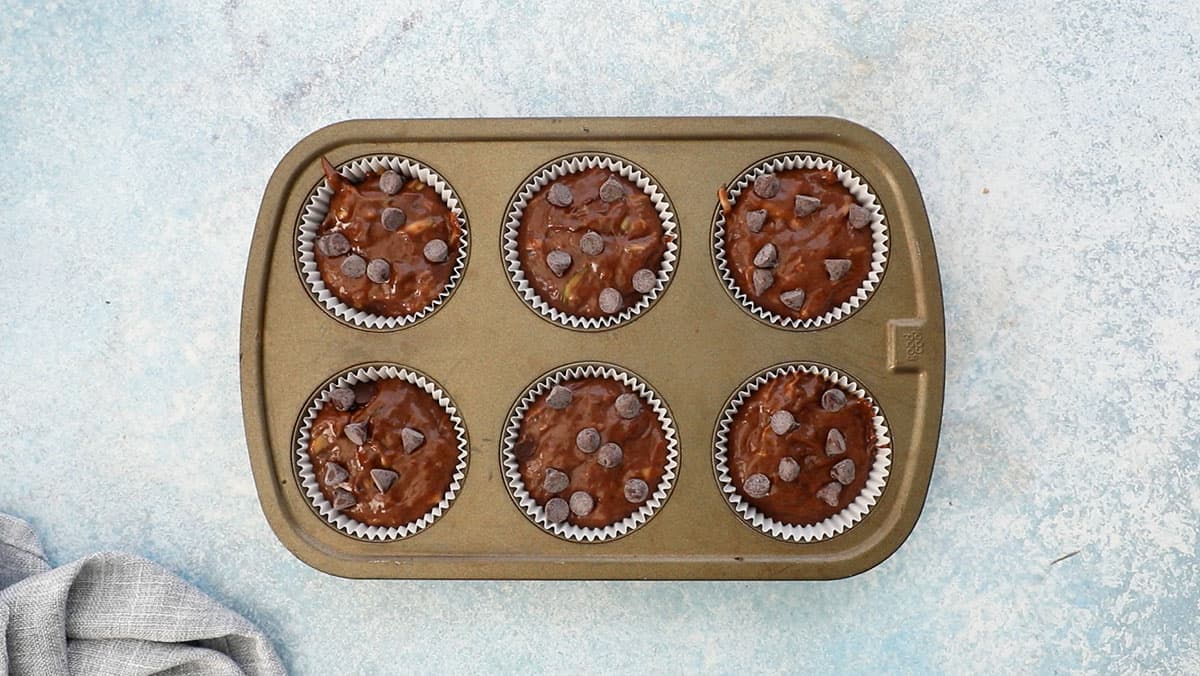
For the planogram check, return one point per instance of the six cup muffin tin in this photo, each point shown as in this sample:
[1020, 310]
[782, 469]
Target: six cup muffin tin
[695, 346]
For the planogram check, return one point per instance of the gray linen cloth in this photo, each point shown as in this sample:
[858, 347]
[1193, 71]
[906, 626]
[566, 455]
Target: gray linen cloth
[114, 613]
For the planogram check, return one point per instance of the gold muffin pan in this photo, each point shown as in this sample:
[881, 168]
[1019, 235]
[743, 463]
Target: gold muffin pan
[695, 345]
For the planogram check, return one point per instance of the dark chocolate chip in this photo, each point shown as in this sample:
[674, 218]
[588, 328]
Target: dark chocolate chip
[436, 251]
[609, 455]
[611, 190]
[582, 503]
[342, 398]
[755, 220]
[829, 493]
[335, 474]
[392, 218]
[860, 216]
[343, 499]
[591, 243]
[644, 280]
[767, 256]
[843, 471]
[789, 469]
[354, 266]
[555, 481]
[557, 510]
[806, 205]
[559, 397]
[762, 280]
[364, 391]
[628, 405]
[782, 422]
[766, 186]
[610, 300]
[334, 244]
[756, 486]
[588, 439]
[558, 261]
[833, 400]
[391, 182]
[379, 270]
[411, 439]
[636, 491]
[837, 268]
[559, 195]
[793, 299]
[524, 449]
[383, 478]
[357, 433]
[835, 442]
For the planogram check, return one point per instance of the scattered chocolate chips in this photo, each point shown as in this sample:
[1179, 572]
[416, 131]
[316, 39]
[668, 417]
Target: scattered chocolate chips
[611, 190]
[436, 251]
[383, 479]
[392, 218]
[342, 398]
[609, 455]
[334, 244]
[835, 442]
[756, 486]
[555, 481]
[789, 469]
[767, 256]
[343, 499]
[588, 439]
[591, 243]
[610, 300]
[636, 491]
[766, 186]
[860, 216]
[762, 280]
[557, 510]
[354, 266]
[806, 205]
[379, 270]
[833, 400]
[644, 280]
[335, 474]
[524, 449]
[843, 472]
[559, 195]
[391, 182]
[559, 397]
[755, 220]
[837, 268]
[364, 391]
[829, 493]
[411, 439]
[628, 405]
[356, 432]
[558, 261]
[582, 503]
[793, 299]
[782, 422]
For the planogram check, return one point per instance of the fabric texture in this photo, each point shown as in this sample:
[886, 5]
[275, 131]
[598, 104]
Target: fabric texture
[114, 613]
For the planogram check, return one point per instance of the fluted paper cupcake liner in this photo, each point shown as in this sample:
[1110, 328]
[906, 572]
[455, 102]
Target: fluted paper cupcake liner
[516, 484]
[316, 207]
[570, 165]
[862, 194]
[834, 525]
[308, 479]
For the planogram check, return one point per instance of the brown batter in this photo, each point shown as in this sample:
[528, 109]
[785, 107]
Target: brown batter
[552, 433]
[425, 474]
[632, 233]
[803, 243]
[754, 448]
[355, 211]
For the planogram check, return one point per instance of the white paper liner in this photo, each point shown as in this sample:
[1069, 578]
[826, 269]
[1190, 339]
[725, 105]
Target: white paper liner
[570, 165]
[512, 472]
[838, 523]
[312, 489]
[862, 194]
[317, 206]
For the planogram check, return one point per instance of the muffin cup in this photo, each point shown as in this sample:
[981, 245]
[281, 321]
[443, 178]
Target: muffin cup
[516, 484]
[862, 194]
[569, 165]
[316, 207]
[833, 525]
[308, 479]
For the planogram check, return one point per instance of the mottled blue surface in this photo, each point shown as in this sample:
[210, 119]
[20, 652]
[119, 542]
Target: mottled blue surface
[1059, 154]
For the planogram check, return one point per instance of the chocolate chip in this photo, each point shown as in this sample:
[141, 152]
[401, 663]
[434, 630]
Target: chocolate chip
[837, 268]
[383, 478]
[609, 455]
[766, 186]
[524, 449]
[558, 261]
[835, 442]
[343, 499]
[767, 256]
[354, 266]
[559, 397]
[559, 195]
[411, 439]
[591, 243]
[610, 300]
[611, 190]
[636, 491]
[756, 486]
[356, 432]
[364, 391]
[582, 503]
[829, 493]
[342, 398]
[644, 280]
[805, 205]
[782, 422]
[334, 244]
[789, 469]
[628, 405]
[379, 270]
[793, 299]
[555, 481]
[755, 220]
[762, 280]
[860, 216]
[392, 218]
[588, 439]
[436, 251]
[557, 510]
[391, 182]
[335, 474]
[833, 400]
[843, 472]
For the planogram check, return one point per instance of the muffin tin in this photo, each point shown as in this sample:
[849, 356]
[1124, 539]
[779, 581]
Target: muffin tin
[694, 346]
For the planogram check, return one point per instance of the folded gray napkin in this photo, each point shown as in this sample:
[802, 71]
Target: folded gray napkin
[114, 613]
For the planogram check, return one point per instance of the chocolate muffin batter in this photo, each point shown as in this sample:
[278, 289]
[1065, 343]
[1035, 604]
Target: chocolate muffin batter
[402, 243]
[553, 463]
[389, 425]
[821, 243]
[572, 270]
[799, 491]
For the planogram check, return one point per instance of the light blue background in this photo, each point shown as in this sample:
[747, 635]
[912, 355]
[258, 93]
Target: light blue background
[1058, 149]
